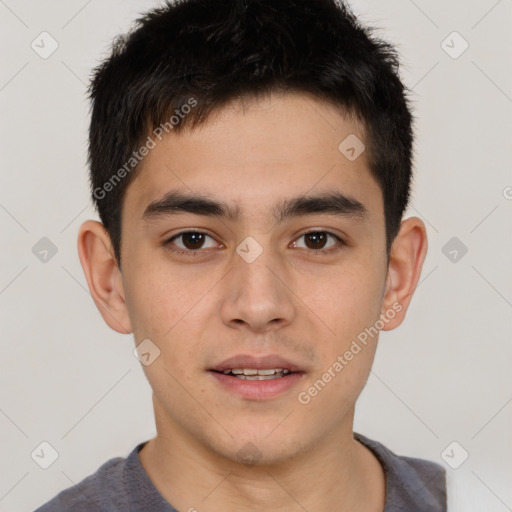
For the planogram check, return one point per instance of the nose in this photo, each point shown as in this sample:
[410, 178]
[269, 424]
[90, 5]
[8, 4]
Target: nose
[258, 295]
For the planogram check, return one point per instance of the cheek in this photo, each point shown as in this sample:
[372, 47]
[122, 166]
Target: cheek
[348, 310]
[160, 298]
[150, 309]
[346, 301]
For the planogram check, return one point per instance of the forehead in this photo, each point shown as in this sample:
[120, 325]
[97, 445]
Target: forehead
[250, 154]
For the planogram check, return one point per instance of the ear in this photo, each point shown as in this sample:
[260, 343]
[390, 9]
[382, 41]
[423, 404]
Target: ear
[406, 259]
[103, 275]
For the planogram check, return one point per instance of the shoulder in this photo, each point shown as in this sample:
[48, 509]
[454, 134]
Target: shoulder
[102, 490]
[412, 484]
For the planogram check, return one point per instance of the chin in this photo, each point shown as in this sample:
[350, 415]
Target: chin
[254, 448]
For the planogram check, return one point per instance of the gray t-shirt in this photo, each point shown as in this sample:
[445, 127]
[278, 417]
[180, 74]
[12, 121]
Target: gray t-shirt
[122, 485]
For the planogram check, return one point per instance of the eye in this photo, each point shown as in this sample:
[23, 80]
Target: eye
[191, 242]
[316, 241]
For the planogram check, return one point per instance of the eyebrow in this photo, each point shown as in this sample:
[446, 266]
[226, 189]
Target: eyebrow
[334, 203]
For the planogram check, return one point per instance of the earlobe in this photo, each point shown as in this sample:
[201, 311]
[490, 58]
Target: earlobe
[404, 269]
[102, 273]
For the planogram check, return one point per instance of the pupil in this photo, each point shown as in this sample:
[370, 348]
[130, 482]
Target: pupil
[195, 238]
[318, 238]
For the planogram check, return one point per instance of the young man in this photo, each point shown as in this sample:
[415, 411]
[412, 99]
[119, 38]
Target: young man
[251, 163]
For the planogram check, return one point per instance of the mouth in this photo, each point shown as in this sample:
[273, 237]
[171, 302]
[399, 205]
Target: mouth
[256, 374]
[257, 378]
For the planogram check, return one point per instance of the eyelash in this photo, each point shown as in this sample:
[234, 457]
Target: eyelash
[197, 252]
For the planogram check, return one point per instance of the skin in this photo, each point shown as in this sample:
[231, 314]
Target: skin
[302, 304]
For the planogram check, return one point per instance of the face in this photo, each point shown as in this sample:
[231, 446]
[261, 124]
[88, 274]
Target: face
[265, 280]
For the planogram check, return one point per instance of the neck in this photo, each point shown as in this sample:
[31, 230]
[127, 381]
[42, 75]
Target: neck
[337, 474]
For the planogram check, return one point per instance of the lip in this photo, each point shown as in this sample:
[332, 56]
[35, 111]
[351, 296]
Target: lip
[257, 389]
[257, 363]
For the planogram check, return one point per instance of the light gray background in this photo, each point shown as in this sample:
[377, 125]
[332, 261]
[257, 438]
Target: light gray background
[443, 376]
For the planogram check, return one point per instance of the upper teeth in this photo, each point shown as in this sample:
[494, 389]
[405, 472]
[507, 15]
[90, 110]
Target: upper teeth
[252, 371]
